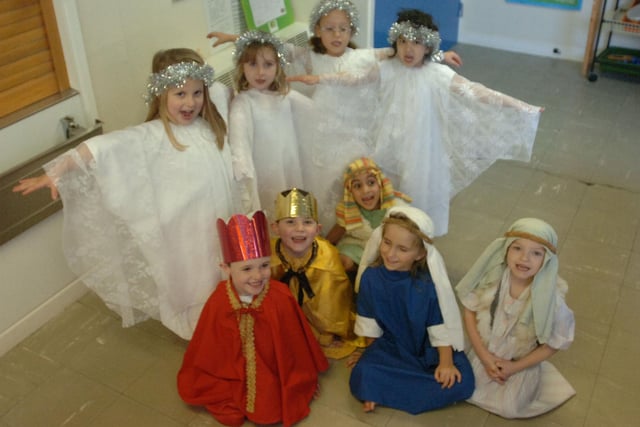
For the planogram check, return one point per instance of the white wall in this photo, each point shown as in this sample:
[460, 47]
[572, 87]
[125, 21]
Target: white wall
[530, 29]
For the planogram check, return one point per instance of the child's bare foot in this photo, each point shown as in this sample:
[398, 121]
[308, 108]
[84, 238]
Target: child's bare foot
[316, 394]
[353, 358]
[369, 406]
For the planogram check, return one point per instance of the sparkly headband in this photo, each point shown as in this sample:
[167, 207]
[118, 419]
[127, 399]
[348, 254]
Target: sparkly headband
[324, 7]
[259, 37]
[421, 34]
[176, 75]
[408, 225]
[533, 237]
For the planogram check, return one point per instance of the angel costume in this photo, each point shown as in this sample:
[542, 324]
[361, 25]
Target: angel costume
[437, 131]
[511, 328]
[343, 118]
[408, 317]
[139, 219]
[264, 135]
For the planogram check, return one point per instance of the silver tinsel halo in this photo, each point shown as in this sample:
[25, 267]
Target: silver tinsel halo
[421, 34]
[259, 37]
[326, 6]
[176, 75]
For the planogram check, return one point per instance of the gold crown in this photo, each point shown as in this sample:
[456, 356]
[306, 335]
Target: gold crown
[296, 203]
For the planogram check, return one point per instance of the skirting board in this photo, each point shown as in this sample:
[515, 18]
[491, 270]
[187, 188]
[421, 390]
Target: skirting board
[41, 315]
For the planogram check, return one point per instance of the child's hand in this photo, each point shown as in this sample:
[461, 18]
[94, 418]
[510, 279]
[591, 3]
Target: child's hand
[221, 38]
[353, 358]
[452, 58]
[506, 369]
[448, 375]
[491, 366]
[307, 79]
[29, 185]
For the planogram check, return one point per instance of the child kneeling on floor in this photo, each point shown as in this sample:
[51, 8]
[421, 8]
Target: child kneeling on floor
[253, 355]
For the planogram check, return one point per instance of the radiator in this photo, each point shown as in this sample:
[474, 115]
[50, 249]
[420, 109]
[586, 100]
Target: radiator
[18, 212]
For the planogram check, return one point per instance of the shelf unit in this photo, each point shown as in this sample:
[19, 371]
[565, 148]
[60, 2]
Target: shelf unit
[605, 23]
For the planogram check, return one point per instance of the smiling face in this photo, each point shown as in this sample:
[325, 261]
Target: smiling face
[249, 277]
[184, 104]
[261, 70]
[334, 31]
[524, 259]
[410, 53]
[296, 234]
[366, 190]
[400, 248]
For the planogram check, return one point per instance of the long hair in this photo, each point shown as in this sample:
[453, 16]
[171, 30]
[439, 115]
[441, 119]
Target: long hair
[250, 54]
[158, 106]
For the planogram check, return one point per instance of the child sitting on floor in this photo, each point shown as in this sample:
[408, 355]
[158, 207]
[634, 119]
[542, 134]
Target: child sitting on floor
[311, 266]
[516, 318]
[253, 355]
[408, 311]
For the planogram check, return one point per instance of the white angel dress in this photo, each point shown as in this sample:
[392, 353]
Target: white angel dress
[139, 219]
[264, 135]
[537, 389]
[437, 131]
[339, 131]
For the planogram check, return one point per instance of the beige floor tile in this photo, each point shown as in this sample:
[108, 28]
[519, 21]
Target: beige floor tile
[21, 372]
[487, 199]
[66, 399]
[127, 413]
[602, 198]
[116, 357]
[613, 405]
[615, 228]
[632, 275]
[593, 260]
[584, 289]
[156, 387]
[587, 349]
[69, 333]
[627, 316]
[458, 415]
[623, 351]
[322, 416]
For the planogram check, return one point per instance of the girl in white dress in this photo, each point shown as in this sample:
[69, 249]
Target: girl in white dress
[140, 204]
[437, 131]
[344, 86]
[516, 318]
[264, 122]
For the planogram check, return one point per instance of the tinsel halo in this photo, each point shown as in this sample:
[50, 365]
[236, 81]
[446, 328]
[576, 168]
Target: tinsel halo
[421, 34]
[176, 75]
[259, 37]
[326, 6]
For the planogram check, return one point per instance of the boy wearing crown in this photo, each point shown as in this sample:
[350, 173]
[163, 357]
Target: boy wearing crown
[311, 266]
[252, 355]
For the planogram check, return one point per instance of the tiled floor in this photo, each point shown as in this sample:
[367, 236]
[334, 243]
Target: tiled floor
[83, 369]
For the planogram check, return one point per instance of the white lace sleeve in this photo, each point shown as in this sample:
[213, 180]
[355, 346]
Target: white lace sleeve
[351, 78]
[467, 88]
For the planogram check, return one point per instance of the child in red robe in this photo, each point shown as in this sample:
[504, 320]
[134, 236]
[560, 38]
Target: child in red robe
[252, 355]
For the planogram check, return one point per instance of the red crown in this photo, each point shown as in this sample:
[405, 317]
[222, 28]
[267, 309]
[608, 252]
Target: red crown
[244, 238]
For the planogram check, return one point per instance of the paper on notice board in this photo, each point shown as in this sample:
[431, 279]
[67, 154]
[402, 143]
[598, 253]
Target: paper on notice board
[266, 10]
[224, 16]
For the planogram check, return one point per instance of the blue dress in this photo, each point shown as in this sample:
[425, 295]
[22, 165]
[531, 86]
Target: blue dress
[398, 369]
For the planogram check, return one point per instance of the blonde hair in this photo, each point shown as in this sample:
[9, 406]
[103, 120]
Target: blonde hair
[158, 106]
[397, 218]
[250, 54]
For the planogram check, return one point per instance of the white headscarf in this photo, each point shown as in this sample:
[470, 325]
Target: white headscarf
[488, 269]
[437, 269]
